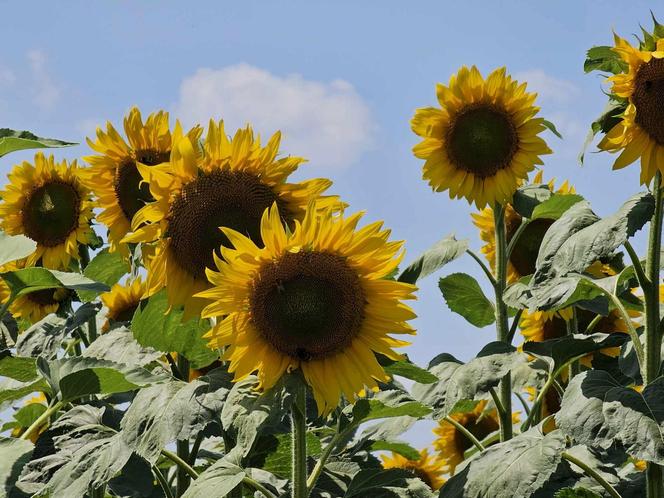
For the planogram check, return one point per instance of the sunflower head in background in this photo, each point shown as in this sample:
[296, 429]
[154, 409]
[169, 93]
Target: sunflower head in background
[113, 173]
[522, 259]
[314, 299]
[123, 300]
[427, 468]
[483, 140]
[47, 202]
[229, 185]
[638, 133]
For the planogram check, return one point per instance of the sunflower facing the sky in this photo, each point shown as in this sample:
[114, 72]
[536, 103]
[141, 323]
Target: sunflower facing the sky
[113, 174]
[427, 467]
[48, 203]
[483, 141]
[452, 443]
[639, 134]
[229, 185]
[314, 299]
[123, 300]
[523, 257]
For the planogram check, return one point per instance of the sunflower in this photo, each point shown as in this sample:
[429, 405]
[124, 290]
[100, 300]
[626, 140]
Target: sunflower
[229, 185]
[427, 468]
[523, 257]
[113, 175]
[36, 305]
[48, 203]
[483, 141]
[639, 134]
[122, 300]
[314, 299]
[452, 443]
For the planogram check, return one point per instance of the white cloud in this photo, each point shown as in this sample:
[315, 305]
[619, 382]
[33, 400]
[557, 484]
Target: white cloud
[550, 89]
[46, 92]
[328, 123]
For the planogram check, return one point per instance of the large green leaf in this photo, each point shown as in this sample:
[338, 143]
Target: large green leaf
[407, 369]
[14, 454]
[155, 326]
[554, 207]
[119, 346]
[33, 279]
[434, 258]
[465, 296]
[162, 414]
[518, 467]
[460, 382]
[219, 479]
[386, 404]
[390, 483]
[107, 268]
[604, 58]
[13, 247]
[598, 411]
[14, 367]
[527, 198]
[12, 140]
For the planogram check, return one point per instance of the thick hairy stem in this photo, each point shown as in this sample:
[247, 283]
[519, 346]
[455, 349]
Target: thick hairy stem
[502, 326]
[299, 443]
[590, 472]
[43, 418]
[465, 432]
[182, 447]
[572, 329]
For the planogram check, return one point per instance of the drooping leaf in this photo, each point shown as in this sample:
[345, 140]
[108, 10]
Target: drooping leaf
[107, 268]
[604, 58]
[611, 115]
[12, 140]
[465, 296]
[598, 411]
[13, 247]
[441, 253]
[33, 279]
[551, 127]
[14, 454]
[528, 197]
[134, 480]
[518, 467]
[219, 479]
[155, 326]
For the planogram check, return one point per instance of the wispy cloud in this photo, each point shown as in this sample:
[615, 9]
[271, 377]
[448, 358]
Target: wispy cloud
[46, 93]
[327, 122]
[550, 90]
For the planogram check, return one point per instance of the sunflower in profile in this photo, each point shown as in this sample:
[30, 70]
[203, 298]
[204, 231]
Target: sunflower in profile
[427, 468]
[48, 203]
[523, 256]
[639, 134]
[483, 141]
[123, 300]
[451, 443]
[113, 174]
[314, 299]
[229, 185]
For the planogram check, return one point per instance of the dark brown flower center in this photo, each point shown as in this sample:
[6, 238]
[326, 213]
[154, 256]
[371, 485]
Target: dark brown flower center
[524, 254]
[307, 305]
[231, 199]
[123, 314]
[132, 195]
[421, 474]
[51, 213]
[47, 297]
[482, 140]
[648, 98]
[478, 427]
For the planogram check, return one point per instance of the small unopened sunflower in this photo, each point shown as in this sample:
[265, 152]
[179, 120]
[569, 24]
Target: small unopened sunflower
[640, 133]
[523, 257]
[113, 175]
[483, 141]
[314, 299]
[123, 300]
[48, 203]
[428, 468]
[451, 443]
[229, 185]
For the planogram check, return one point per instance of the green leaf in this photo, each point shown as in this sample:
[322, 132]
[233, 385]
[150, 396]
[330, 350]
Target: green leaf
[107, 268]
[554, 207]
[219, 479]
[434, 258]
[603, 58]
[14, 454]
[164, 413]
[156, 327]
[528, 197]
[11, 141]
[551, 127]
[76, 377]
[33, 279]
[14, 367]
[403, 449]
[29, 413]
[390, 483]
[576, 493]
[464, 296]
[459, 381]
[386, 404]
[279, 461]
[11, 390]
[405, 368]
[518, 467]
[119, 346]
[611, 116]
[598, 411]
[13, 247]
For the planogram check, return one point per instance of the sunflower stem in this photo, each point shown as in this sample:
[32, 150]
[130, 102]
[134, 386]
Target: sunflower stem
[182, 446]
[572, 326]
[591, 473]
[476, 442]
[43, 418]
[652, 357]
[502, 325]
[165, 487]
[484, 267]
[299, 442]
[252, 483]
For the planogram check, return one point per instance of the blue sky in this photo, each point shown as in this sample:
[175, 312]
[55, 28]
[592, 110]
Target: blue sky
[342, 79]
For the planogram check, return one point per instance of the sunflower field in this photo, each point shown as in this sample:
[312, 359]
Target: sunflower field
[181, 318]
